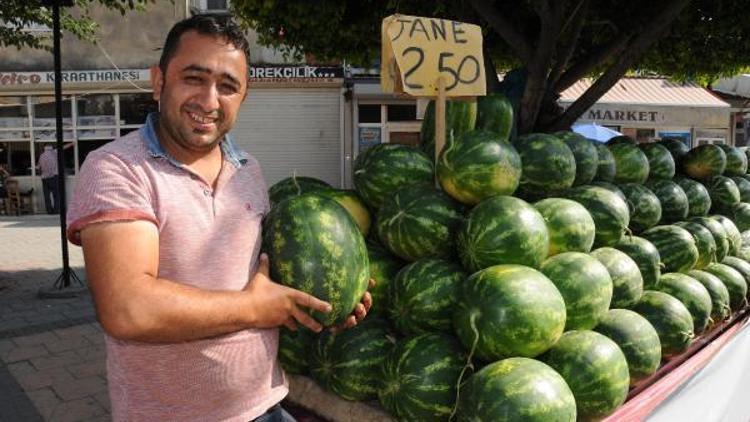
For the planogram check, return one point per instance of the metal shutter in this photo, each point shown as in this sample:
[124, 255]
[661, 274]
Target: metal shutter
[293, 129]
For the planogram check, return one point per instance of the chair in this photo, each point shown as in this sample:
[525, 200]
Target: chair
[17, 202]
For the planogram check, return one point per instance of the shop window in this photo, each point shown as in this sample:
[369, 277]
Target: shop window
[402, 112]
[370, 113]
[96, 116]
[644, 135]
[404, 138]
[134, 108]
[16, 156]
[44, 122]
[85, 147]
[14, 118]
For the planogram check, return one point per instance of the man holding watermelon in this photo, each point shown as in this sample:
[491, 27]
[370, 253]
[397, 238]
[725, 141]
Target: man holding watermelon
[169, 218]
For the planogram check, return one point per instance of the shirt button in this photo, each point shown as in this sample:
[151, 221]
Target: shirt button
[207, 192]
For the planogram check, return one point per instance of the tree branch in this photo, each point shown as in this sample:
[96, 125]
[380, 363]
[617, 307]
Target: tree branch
[591, 61]
[567, 47]
[505, 28]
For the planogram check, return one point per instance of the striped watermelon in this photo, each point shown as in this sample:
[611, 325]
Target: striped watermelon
[294, 186]
[419, 377]
[313, 245]
[692, 294]
[495, 113]
[348, 363]
[670, 318]
[610, 187]
[720, 310]
[621, 139]
[627, 280]
[676, 147]
[724, 193]
[736, 160]
[740, 214]
[587, 159]
[699, 200]
[733, 281]
[719, 233]
[704, 241]
[502, 230]
[704, 162]
[607, 168]
[733, 233]
[610, 213]
[674, 201]
[384, 168]
[422, 297]
[479, 164]
[660, 162]
[644, 206]
[460, 117]
[645, 254]
[383, 269]
[294, 349]
[417, 222]
[549, 166]
[742, 267]
[637, 339]
[508, 310]
[743, 185]
[509, 390]
[570, 226]
[630, 162]
[585, 285]
[353, 205]
[676, 247]
[594, 368]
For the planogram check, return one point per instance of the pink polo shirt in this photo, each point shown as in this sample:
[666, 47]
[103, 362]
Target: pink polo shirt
[208, 238]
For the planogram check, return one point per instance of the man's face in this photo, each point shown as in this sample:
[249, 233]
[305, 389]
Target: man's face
[202, 90]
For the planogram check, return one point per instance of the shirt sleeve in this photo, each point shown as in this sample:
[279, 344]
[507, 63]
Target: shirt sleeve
[107, 189]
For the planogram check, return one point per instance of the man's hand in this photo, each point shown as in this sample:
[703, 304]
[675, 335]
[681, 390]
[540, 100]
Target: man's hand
[360, 311]
[274, 305]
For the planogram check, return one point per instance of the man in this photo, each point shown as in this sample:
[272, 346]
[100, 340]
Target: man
[47, 165]
[169, 218]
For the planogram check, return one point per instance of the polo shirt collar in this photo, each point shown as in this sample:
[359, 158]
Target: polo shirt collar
[148, 131]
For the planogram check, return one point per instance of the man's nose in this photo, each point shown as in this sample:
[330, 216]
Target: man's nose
[209, 98]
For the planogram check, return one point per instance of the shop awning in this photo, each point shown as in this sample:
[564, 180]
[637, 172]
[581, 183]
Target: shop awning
[738, 86]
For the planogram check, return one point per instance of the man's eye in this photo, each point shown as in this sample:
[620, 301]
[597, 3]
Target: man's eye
[228, 88]
[193, 79]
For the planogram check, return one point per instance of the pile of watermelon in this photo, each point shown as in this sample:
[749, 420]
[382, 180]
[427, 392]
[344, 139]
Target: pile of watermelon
[508, 267]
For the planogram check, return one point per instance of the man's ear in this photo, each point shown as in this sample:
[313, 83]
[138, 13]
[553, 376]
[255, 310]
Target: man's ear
[157, 82]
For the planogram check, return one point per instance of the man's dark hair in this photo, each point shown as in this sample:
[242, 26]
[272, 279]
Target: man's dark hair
[218, 25]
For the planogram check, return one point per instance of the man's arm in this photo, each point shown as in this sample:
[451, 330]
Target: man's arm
[133, 303]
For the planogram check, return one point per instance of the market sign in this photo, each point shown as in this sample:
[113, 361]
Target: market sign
[73, 76]
[648, 116]
[417, 51]
[294, 73]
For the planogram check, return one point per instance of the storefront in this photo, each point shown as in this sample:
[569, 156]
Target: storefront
[653, 108]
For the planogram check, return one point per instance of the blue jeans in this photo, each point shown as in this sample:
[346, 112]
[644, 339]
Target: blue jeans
[275, 414]
[49, 186]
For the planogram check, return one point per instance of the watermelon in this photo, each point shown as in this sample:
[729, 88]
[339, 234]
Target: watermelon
[742, 267]
[676, 247]
[670, 318]
[348, 363]
[644, 206]
[383, 269]
[645, 254]
[637, 339]
[587, 159]
[420, 375]
[610, 212]
[674, 201]
[627, 280]
[724, 193]
[676, 147]
[630, 162]
[736, 160]
[294, 349]
[699, 200]
[502, 230]
[610, 187]
[704, 162]
[607, 168]
[422, 297]
[743, 185]
[478, 165]
[733, 281]
[549, 166]
[516, 389]
[745, 238]
[594, 368]
[384, 168]
[585, 285]
[719, 233]
[692, 294]
[417, 222]
[313, 245]
[733, 233]
[660, 162]
[704, 241]
[569, 224]
[460, 117]
[717, 290]
[508, 310]
[353, 205]
[740, 214]
[294, 186]
[621, 139]
[495, 114]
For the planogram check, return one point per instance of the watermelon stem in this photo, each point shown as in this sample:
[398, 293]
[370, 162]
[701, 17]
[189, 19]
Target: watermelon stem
[469, 365]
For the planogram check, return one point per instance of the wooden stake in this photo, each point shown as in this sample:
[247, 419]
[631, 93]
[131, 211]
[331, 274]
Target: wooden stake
[439, 121]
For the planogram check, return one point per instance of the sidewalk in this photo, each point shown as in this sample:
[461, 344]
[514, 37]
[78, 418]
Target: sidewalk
[52, 350]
